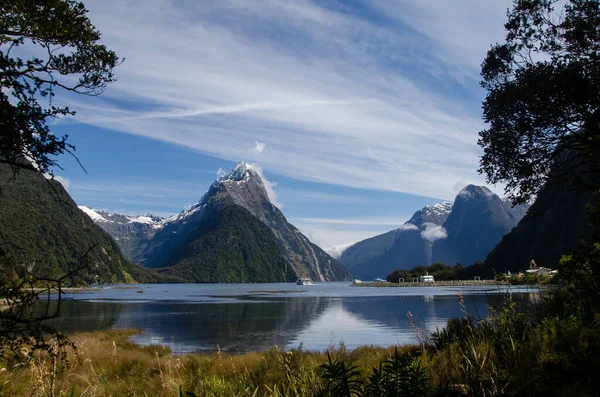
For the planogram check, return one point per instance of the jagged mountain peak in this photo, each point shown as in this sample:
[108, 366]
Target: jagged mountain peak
[242, 172]
[244, 185]
[235, 224]
[436, 214]
[101, 216]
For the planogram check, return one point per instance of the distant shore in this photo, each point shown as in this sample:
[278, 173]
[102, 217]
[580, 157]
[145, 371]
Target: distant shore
[449, 283]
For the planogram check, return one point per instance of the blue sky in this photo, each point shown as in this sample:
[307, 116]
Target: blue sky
[358, 113]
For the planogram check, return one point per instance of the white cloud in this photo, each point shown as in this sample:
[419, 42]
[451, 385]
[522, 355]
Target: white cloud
[219, 82]
[433, 232]
[65, 182]
[269, 186]
[337, 250]
[462, 31]
[258, 147]
[221, 172]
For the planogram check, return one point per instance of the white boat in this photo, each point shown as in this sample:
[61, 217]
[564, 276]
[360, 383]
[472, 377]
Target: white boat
[380, 280]
[304, 281]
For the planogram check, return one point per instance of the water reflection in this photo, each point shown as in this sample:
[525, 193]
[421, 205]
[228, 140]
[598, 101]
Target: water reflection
[250, 323]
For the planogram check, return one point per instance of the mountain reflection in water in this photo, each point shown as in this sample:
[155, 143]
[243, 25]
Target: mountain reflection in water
[254, 322]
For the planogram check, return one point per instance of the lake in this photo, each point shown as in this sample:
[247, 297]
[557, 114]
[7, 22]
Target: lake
[256, 317]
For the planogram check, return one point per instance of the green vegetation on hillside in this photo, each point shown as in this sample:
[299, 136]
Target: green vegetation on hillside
[42, 229]
[230, 246]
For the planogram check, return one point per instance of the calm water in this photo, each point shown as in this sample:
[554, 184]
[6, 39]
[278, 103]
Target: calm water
[250, 317]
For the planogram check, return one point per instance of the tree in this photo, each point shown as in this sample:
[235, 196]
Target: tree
[543, 96]
[68, 57]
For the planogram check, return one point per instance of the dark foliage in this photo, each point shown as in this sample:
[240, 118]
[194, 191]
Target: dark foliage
[543, 86]
[61, 31]
[441, 272]
[42, 230]
[230, 246]
[396, 376]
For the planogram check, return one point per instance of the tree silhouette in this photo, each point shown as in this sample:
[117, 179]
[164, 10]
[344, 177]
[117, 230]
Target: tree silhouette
[543, 95]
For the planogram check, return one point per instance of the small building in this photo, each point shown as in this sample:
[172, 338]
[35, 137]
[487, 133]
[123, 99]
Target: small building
[426, 279]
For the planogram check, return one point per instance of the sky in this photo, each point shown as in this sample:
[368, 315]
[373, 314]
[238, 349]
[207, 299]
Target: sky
[358, 113]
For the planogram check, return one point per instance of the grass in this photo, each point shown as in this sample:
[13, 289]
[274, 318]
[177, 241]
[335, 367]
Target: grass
[106, 363]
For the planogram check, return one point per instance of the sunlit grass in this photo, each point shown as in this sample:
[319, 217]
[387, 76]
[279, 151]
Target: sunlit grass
[108, 363]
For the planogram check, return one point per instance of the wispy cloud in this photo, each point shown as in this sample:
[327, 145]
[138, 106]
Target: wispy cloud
[258, 147]
[269, 187]
[382, 221]
[335, 97]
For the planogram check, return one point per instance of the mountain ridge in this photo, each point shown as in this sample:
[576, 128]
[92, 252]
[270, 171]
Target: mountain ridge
[154, 245]
[461, 231]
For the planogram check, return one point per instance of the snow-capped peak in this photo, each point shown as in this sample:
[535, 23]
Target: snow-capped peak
[436, 214]
[92, 213]
[242, 172]
[442, 208]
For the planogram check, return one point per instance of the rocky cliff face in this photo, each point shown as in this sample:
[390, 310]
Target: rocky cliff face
[477, 222]
[160, 243]
[556, 223]
[127, 231]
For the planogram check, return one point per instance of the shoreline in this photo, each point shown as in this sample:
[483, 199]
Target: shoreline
[449, 283]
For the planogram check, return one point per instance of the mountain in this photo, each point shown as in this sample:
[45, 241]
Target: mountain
[402, 248]
[461, 232]
[478, 221]
[126, 230]
[556, 223]
[231, 232]
[42, 228]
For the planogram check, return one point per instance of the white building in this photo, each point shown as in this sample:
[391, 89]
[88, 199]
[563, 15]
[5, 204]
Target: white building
[426, 279]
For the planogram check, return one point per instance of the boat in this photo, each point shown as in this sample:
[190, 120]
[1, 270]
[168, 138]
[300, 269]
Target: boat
[380, 280]
[304, 281]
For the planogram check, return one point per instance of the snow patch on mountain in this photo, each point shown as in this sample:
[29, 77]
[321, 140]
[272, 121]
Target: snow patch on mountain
[147, 219]
[442, 208]
[241, 173]
[93, 214]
